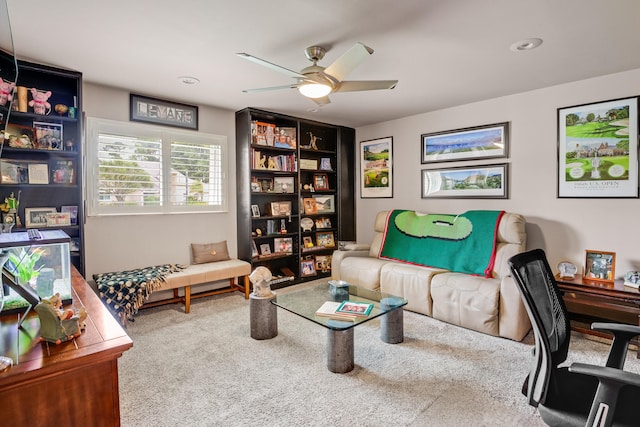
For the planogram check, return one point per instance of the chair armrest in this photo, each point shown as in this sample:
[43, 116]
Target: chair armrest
[610, 381]
[622, 334]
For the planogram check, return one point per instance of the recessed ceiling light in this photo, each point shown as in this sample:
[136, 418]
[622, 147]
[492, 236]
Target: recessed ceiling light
[188, 80]
[526, 44]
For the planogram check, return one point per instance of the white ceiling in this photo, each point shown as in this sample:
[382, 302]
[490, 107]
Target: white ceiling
[443, 52]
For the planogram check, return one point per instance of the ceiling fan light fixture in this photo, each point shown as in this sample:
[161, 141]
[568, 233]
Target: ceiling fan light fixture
[314, 90]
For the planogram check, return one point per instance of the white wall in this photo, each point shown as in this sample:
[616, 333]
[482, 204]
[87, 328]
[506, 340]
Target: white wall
[126, 242]
[564, 228]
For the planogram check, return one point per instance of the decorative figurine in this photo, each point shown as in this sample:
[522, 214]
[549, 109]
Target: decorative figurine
[39, 101]
[58, 325]
[260, 278]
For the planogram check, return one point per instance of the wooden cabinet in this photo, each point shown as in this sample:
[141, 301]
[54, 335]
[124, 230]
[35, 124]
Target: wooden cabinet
[41, 159]
[74, 383]
[295, 181]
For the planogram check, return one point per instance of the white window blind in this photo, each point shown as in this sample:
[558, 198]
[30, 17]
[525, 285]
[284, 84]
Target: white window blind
[136, 168]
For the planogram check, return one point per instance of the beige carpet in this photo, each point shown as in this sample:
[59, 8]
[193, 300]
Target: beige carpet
[203, 369]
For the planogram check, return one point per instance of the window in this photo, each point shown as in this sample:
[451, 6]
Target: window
[135, 168]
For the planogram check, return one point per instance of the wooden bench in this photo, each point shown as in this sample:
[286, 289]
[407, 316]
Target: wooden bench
[198, 274]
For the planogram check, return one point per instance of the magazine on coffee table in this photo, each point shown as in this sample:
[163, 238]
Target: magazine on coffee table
[354, 308]
[328, 309]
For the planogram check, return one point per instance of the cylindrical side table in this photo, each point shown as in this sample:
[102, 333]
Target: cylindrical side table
[263, 316]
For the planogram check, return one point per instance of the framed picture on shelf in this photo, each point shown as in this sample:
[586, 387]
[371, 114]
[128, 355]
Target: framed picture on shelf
[266, 184]
[321, 181]
[37, 217]
[283, 245]
[73, 213]
[38, 173]
[323, 263]
[48, 135]
[14, 172]
[325, 204]
[63, 172]
[307, 268]
[280, 208]
[265, 249]
[307, 242]
[478, 142]
[376, 168]
[326, 239]
[309, 164]
[283, 184]
[20, 136]
[254, 249]
[323, 222]
[74, 244]
[466, 182]
[325, 164]
[597, 157]
[309, 205]
[600, 266]
[255, 211]
[255, 187]
[58, 219]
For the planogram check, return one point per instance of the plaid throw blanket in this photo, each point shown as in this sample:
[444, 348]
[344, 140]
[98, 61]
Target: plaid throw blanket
[124, 292]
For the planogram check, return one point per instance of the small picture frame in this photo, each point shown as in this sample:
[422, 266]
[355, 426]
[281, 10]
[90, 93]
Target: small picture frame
[255, 187]
[309, 164]
[323, 222]
[307, 268]
[600, 266]
[18, 136]
[266, 184]
[48, 135]
[74, 244]
[283, 184]
[254, 249]
[38, 173]
[283, 245]
[325, 204]
[309, 205]
[326, 239]
[14, 172]
[73, 213]
[323, 263]
[320, 181]
[280, 208]
[255, 211]
[37, 217]
[265, 249]
[325, 164]
[58, 219]
[63, 172]
[307, 242]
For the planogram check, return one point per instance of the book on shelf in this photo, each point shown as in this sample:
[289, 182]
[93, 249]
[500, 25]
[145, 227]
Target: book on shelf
[329, 309]
[355, 308]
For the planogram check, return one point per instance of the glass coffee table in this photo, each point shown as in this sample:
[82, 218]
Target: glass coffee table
[306, 301]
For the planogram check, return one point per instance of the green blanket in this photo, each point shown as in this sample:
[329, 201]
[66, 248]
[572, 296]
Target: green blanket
[124, 292]
[464, 243]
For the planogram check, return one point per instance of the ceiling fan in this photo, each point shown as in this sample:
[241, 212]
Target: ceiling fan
[318, 82]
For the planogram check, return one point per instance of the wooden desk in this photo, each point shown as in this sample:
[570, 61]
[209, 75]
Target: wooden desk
[74, 383]
[589, 302]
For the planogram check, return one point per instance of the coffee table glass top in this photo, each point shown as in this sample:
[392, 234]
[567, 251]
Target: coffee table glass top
[305, 302]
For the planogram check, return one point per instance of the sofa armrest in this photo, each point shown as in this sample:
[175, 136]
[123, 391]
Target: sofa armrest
[514, 319]
[338, 256]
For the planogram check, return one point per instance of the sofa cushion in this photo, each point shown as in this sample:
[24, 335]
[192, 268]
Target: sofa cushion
[410, 282]
[362, 271]
[468, 301]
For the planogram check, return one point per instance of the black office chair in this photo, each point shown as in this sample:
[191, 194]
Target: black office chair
[579, 394]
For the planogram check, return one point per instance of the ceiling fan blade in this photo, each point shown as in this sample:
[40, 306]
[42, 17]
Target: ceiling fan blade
[273, 66]
[342, 66]
[321, 101]
[358, 85]
[266, 89]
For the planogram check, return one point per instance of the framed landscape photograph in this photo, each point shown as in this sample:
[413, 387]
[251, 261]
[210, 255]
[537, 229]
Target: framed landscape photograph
[283, 184]
[325, 204]
[600, 266]
[376, 168]
[486, 181]
[598, 150]
[479, 142]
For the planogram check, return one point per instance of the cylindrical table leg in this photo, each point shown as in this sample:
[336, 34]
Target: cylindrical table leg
[264, 317]
[340, 350]
[391, 327]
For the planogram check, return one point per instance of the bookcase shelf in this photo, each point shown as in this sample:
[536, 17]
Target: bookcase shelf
[276, 152]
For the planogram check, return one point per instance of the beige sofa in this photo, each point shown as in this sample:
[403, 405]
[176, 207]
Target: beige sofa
[489, 305]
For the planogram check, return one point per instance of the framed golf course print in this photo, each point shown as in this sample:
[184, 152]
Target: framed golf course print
[598, 150]
[376, 168]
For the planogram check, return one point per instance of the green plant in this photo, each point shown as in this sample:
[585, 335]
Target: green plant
[24, 263]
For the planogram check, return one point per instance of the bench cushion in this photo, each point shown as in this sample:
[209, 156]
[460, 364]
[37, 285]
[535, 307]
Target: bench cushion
[196, 274]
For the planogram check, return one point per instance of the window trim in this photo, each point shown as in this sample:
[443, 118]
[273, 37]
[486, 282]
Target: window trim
[95, 126]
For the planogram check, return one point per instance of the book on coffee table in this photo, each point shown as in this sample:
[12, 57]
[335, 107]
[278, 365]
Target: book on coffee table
[353, 308]
[328, 309]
